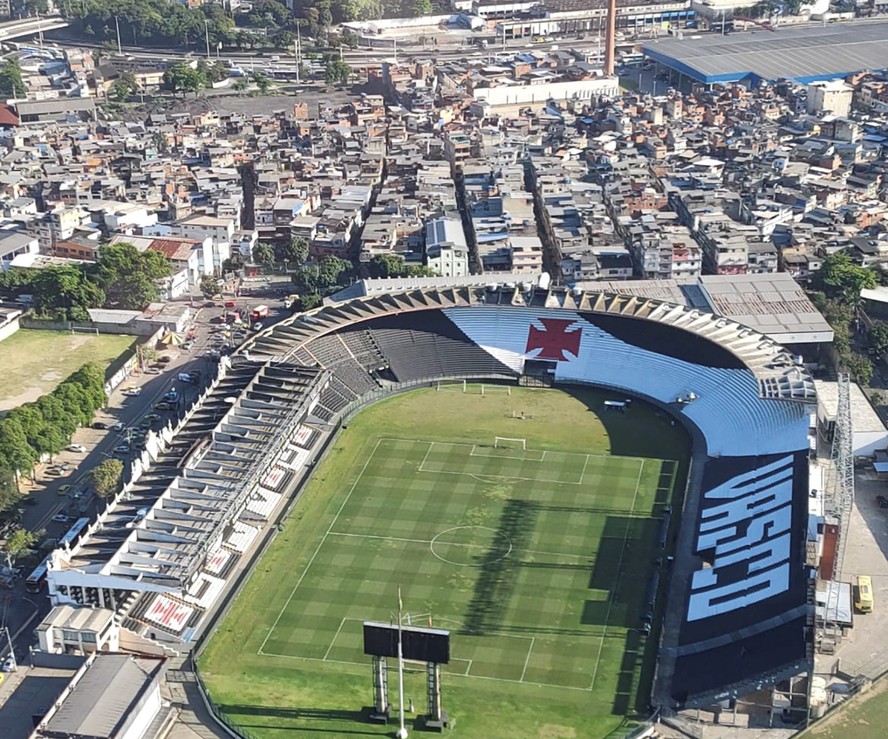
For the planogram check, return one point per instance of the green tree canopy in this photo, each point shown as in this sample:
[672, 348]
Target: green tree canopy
[64, 293]
[210, 286]
[877, 339]
[840, 278]
[129, 277]
[11, 83]
[295, 250]
[337, 72]
[263, 253]
[125, 87]
[105, 477]
[18, 543]
[182, 78]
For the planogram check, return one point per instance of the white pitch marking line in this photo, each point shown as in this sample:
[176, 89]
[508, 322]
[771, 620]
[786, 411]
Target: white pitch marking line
[318, 548]
[428, 452]
[610, 602]
[335, 637]
[583, 473]
[527, 659]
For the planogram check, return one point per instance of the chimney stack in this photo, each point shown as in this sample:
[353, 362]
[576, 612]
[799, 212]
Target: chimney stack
[610, 38]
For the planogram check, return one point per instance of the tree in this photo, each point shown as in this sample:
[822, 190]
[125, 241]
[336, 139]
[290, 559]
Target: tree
[877, 339]
[105, 477]
[125, 87]
[840, 278]
[296, 250]
[9, 492]
[182, 78]
[331, 268]
[63, 292]
[337, 72]
[860, 368]
[416, 8]
[129, 277]
[15, 452]
[310, 301]
[263, 253]
[19, 542]
[261, 80]
[11, 83]
[209, 286]
[240, 84]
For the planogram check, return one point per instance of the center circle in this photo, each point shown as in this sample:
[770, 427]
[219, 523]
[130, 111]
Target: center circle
[471, 546]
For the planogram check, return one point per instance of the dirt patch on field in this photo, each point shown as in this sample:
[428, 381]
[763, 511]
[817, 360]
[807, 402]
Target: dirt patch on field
[554, 731]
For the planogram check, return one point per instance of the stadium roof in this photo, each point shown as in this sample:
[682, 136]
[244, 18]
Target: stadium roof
[802, 54]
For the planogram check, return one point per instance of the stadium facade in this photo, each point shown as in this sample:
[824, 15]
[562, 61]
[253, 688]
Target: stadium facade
[740, 611]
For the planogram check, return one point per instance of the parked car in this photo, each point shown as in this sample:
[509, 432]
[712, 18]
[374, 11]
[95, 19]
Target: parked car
[133, 392]
[153, 371]
[119, 426]
[257, 326]
[8, 664]
[165, 359]
[54, 472]
[63, 489]
[122, 449]
[60, 518]
[77, 448]
[882, 501]
[100, 426]
[164, 406]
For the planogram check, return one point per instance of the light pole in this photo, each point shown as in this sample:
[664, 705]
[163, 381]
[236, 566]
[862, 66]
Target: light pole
[402, 731]
[207, 36]
[12, 650]
[117, 26]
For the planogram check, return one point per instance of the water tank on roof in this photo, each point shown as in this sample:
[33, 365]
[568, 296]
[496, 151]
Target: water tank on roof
[544, 281]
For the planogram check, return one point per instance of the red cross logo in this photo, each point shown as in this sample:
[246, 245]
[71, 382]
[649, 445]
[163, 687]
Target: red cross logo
[553, 340]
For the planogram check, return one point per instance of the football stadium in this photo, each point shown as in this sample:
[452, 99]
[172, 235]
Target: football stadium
[580, 508]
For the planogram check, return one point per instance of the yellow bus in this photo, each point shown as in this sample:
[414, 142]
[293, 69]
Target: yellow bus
[864, 601]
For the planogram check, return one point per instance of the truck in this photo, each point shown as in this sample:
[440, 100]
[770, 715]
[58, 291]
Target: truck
[259, 312]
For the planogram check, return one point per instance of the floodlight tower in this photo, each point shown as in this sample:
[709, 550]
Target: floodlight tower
[840, 496]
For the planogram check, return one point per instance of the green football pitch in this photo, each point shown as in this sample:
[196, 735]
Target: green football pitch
[534, 551]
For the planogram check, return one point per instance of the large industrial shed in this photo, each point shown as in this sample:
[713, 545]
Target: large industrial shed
[801, 54]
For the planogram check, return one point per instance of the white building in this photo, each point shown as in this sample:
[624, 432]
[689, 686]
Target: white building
[831, 96]
[14, 243]
[199, 227]
[447, 253]
[78, 630]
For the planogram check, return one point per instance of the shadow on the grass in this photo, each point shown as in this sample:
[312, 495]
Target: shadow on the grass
[497, 570]
[236, 713]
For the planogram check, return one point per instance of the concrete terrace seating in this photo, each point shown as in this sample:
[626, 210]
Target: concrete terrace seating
[205, 590]
[363, 348]
[241, 537]
[426, 344]
[168, 615]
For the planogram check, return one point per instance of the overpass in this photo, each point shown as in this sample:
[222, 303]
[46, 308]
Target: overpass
[30, 26]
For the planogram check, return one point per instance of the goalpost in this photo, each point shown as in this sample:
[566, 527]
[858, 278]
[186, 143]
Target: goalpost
[84, 329]
[507, 442]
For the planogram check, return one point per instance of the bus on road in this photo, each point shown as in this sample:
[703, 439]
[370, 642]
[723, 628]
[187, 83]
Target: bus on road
[37, 579]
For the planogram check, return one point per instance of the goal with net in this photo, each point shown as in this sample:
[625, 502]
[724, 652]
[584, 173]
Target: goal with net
[506, 442]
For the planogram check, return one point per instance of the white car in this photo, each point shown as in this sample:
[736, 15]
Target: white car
[8, 664]
[77, 448]
[133, 392]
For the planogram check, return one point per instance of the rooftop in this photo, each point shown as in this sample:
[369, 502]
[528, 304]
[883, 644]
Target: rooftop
[102, 698]
[803, 54]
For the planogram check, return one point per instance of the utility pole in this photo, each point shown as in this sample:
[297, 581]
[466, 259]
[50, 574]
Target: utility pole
[117, 26]
[402, 731]
[207, 36]
[296, 51]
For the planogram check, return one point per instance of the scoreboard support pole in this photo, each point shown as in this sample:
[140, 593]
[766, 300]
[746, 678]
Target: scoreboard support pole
[381, 707]
[436, 718]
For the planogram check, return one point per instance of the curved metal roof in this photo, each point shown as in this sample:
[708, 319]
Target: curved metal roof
[780, 377]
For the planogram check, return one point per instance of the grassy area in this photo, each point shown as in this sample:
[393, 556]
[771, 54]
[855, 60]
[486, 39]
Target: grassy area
[864, 717]
[34, 362]
[536, 559]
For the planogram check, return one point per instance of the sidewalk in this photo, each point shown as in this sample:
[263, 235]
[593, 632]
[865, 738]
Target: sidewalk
[194, 720]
